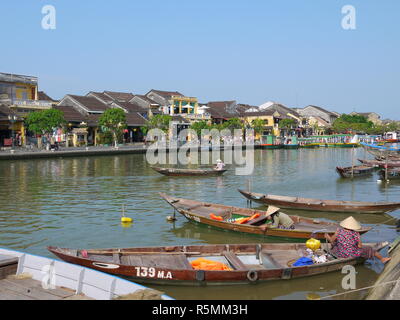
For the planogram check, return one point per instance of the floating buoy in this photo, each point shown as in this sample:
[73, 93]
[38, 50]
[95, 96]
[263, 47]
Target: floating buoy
[171, 218]
[125, 219]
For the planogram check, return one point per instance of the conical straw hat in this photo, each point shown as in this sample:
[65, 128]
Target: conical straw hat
[271, 210]
[351, 224]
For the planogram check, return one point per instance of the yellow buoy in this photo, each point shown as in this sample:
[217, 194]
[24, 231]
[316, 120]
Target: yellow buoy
[123, 218]
[313, 244]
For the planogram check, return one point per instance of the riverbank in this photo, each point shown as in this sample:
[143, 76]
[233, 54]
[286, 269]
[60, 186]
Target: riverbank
[24, 154]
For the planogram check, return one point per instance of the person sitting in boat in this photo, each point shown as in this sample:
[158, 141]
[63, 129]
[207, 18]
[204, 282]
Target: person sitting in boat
[346, 242]
[278, 219]
[220, 165]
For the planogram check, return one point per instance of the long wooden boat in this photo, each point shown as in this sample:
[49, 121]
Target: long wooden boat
[202, 212]
[356, 171]
[177, 265]
[392, 174]
[188, 172]
[321, 205]
[381, 164]
[25, 276]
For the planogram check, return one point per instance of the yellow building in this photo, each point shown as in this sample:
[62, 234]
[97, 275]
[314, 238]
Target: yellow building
[19, 93]
[270, 119]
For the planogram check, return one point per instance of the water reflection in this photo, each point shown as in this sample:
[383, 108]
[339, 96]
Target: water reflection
[76, 202]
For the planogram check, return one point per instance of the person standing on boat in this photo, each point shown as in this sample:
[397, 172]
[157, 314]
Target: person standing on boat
[346, 242]
[279, 219]
[220, 165]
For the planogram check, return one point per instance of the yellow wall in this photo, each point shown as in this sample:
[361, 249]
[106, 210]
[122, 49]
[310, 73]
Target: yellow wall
[21, 88]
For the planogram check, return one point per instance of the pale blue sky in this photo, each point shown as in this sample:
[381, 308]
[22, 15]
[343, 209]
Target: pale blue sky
[293, 52]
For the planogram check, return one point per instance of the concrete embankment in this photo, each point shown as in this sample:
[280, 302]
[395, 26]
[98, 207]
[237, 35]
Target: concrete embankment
[83, 152]
[387, 287]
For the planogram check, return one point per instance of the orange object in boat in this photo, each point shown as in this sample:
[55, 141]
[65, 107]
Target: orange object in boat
[214, 217]
[204, 264]
[244, 220]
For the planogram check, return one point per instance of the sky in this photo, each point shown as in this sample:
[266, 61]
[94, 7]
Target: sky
[294, 52]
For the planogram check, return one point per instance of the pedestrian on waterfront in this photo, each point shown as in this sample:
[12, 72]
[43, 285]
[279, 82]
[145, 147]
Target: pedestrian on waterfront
[278, 219]
[346, 242]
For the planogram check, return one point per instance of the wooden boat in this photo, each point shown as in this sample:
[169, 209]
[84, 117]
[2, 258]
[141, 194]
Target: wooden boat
[321, 205]
[271, 146]
[173, 265]
[356, 171]
[188, 172]
[291, 146]
[381, 164]
[29, 277]
[392, 174]
[202, 213]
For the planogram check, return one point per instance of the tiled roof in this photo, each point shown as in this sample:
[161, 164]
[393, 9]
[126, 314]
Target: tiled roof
[71, 114]
[101, 96]
[131, 107]
[321, 109]
[135, 120]
[43, 96]
[167, 94]
[119, 96]
[90, 103]
[220, 109]
[147, 99]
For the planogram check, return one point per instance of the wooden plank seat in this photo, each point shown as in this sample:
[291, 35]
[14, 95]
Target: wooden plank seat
[234, 260]
[175, 261]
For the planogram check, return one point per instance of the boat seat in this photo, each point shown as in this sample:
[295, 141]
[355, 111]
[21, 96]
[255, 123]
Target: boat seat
[290, 199]
[117, 258]
[235, 262]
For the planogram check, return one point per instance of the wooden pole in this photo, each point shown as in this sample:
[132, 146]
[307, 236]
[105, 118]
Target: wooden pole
[352, 163]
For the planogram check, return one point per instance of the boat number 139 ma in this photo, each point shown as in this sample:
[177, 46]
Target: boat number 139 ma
[151, 273]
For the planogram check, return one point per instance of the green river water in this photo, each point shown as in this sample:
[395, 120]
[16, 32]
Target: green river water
[77, 202]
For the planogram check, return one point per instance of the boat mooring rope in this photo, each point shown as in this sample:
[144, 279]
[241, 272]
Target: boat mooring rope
[361, 289]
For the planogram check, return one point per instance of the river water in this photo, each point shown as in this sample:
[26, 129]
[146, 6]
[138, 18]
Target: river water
[77, 203]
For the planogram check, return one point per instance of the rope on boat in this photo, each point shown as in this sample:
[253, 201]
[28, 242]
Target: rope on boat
[361, 289]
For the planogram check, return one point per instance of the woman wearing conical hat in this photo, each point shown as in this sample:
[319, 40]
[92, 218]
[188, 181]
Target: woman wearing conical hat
[346, 242]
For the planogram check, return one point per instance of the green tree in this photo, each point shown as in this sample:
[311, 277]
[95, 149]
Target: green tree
[232, 124]
[258, 126]
[346, 123]
[44, 122]
[287, 124]
[160, 121]
[114, 120]
[199, 126]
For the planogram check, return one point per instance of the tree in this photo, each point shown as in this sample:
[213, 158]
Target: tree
[114, 120]
[357, 123]
[199, 126]
[160, 121]
[44, 122]
[287, 124]
[258, 126]
[232, 124]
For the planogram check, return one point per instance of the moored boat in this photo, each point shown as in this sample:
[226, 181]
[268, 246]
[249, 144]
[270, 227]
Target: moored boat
[392, 174]
[188, 172]
[381, 164]
[356, 171]
[25, 276]
[218, 264]
[308, 204]
[224, 217]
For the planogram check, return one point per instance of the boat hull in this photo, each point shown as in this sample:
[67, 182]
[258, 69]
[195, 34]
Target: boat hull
[249, 263]
[321, 205]
[353, 172]
[304, 228]
[187, 172]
